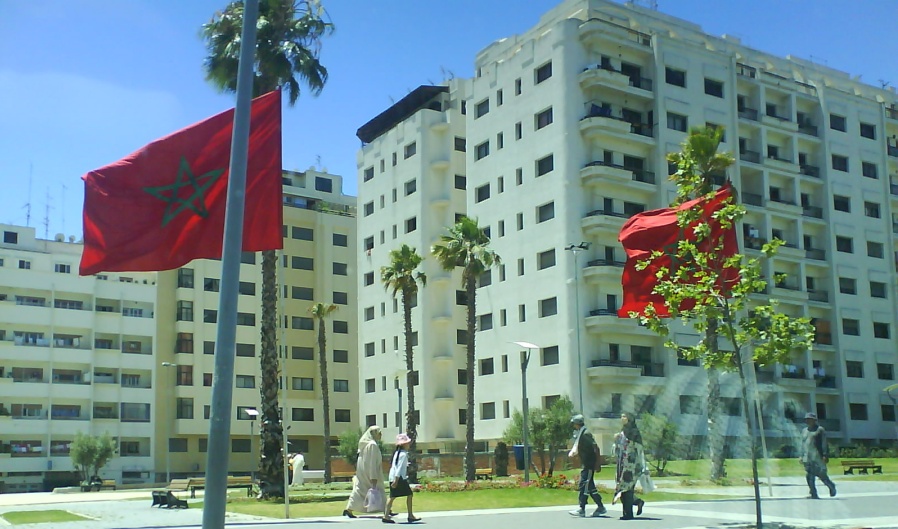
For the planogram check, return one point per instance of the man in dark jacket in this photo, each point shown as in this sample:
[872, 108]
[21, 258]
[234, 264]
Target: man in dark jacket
[585, 447]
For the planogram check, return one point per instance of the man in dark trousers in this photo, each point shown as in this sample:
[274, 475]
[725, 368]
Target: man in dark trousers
[814, 456]
[585, 447]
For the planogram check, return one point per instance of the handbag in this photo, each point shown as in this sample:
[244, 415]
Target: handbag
[375, 500]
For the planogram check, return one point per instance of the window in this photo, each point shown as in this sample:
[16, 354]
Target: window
[545, 165]
[246, 318]
[246, 349]
[341, 356]
[675, 77]
[713, 88]
[499, 97]
[460, 144]
[888, 412]
[24, 265]
[302, 293]
[517, 86]
[410, 150]
[482, 108]
[302, 323]
[369, 313]
[208, 348]
[184, 375]
[184, 343]
[369, 174]
[881, 330]
[548, 307]
[858, 411]
[341, 327]
[869, 170]
[543, 213]
[211, 284]
[302, 234]
[340, 239]
[368, 208]
[369, 385]
[851, 327]
[842, 203]
[844, 244]
[324, 184]
[461, 182]
[871, 209]
[542, 73]
[246, 288]
[369, 278]
[303, 414]
[522, 313]
[877, 289]
[500, 140]
[543, 118]
[486, 366]
[482, 150]
[484, 322]
[677, 122]
[302, 263]
[545, 259]
[690, 405]
[518, 176]
[837, 122]
[342, 416]
[341, 385]
[369, 349]
[62, 268]
[868, 130]
[340, 269]
[885, 371]
[840, 163]
[210, 316]
[520, 267]
[847, 285]
[854, 369]
[185, 278]
[548, 356]
[411, 224]
[10, 237]
[487, 411]
[302, 353]
[482, 193]
[410, 187]
[518, 131]
[875, 249]
[341, 298]
[246, 381]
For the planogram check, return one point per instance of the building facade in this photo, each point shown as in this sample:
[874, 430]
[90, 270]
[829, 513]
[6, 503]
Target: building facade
[567, 130]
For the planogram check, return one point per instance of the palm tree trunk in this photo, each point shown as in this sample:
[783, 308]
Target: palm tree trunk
[411, 423]
[471, 291]
[715, 416]
[325, 399]
[271, 463]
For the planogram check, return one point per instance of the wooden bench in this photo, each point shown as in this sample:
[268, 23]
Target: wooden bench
[483, 473]
[107, 484]
[342, 476]
[862, 465]
[234, 482]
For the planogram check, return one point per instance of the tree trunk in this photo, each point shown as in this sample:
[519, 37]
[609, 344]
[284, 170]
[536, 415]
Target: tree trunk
[752, 431]
[325, 398]
[411, 424]
[471, 291]
[271, 462]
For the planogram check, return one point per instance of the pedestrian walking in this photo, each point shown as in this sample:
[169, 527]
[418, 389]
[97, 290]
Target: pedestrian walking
[814, 455]
[628, 450]
[369, 472]
[399, 486]
[585, 446]
[298, 461]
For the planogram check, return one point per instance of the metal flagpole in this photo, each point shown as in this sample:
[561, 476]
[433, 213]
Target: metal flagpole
[225, 342]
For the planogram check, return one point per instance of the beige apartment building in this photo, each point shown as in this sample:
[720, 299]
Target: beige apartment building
[567, 128]
[132, 354]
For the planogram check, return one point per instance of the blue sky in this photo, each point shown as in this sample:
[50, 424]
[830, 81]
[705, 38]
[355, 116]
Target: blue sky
[84, 83]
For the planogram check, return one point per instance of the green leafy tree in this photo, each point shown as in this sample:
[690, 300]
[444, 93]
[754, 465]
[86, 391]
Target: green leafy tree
[322, 311]
[348, 447]
[467, 247]
[549, 431]
[661, 439]
[697, 294]
[90, 453]
[402, 277]
[288, 42]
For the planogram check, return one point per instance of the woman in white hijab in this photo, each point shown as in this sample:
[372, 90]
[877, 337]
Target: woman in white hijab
[369, 472]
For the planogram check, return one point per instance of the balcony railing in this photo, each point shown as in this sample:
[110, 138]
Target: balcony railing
[606, 262]
[750, 156]
[599, 212]
[752, 199]
[774, 115]
[746, 70]
[781, 200]
[818, 295]
[893, 150]
[643, 129]
[823, 338]
[652, 370]
[812, 211]
[892, 113]
[603, 312]
[809, 170]
[807, 128]
[640, 175]
[815, 253]
[749, 113]
[893, 189]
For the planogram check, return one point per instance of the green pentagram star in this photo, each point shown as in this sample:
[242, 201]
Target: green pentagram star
[195, 202]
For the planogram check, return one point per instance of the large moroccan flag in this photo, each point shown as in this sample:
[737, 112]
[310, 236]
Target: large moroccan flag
[657, 229]
[164, 205]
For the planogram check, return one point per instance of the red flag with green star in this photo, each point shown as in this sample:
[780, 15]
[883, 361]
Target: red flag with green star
[164, 205]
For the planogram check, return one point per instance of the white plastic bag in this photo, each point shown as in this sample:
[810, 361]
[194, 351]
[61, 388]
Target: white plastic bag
[645, 479]
[375, 501]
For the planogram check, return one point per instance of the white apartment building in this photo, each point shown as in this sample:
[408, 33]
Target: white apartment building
[411, 186]
[568, 128]
[77, 354]
[317, 264]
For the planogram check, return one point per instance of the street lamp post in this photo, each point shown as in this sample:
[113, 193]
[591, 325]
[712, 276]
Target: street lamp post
[576, 249]
[399, 399]
[253, 413]
[171, 430]
[889, 390]
[525, 359]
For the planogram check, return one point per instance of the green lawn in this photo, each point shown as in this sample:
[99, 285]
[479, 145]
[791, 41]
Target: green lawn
[739, 470]
[26, 517]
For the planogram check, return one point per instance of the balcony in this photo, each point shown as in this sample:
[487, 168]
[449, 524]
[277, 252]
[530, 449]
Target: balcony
[603, 270]
[808, 128]
[782, 164]
[812, 211]
[602, 119]
[831, 425]
[809, 170]
[815, 253]
[821, 296]
[784, 205]
[753, 199]
[608, 77]
[646, 177]
[748, 113]
[607, 321]
[599, 172]
[892, 113]
[603, 222]
[792, 250]
[750, 156]
[893, 189]
[595, 29]
[893, 150]
[782, 122]
[613, 371]
[797, 380]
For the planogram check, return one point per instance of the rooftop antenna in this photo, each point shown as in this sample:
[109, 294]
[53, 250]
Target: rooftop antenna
[884, 84]
[28, 204]
[47, 216]
[62, 210]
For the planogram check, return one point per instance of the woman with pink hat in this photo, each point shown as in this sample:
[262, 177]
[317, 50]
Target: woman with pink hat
[399, 479]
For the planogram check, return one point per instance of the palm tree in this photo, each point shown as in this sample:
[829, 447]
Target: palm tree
[401, 277]
[321, 311]
[467, 246]
[288, 41]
